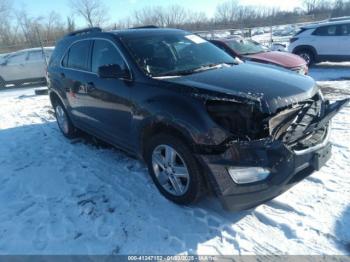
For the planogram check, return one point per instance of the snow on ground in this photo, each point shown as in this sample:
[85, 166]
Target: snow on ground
[73, 197]
[330, 71]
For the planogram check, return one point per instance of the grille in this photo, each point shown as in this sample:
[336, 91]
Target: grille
[290, 125]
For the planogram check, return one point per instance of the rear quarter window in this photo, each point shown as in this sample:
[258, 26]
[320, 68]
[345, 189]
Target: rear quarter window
[57, 53]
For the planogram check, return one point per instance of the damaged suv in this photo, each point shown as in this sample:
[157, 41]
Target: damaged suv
[202, 121]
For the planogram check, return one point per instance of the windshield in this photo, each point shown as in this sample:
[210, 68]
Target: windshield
[179, 54]
[245, 46]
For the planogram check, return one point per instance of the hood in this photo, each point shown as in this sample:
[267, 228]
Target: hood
[284, 59]
[270, 86]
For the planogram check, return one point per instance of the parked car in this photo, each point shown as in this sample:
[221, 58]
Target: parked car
[327, 41]
[25, 66]
[202, 122]
[250, 50]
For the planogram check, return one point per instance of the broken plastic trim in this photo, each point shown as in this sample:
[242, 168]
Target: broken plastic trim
[243, 121]
[305, 119]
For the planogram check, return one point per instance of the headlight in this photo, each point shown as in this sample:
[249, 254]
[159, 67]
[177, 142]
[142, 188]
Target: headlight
[246, 175]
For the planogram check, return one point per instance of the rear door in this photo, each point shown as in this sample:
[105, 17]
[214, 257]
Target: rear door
[107, 99]
[35, 65]
[326, 40]
[74, 77]
[344, 39]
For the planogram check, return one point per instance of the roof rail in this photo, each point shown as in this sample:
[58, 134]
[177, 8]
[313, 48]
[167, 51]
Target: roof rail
[145, 27]
[339, 18]
[85, 31]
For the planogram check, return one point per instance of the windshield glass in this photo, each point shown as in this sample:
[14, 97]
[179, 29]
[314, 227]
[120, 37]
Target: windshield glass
[245, 46]
[175, 54]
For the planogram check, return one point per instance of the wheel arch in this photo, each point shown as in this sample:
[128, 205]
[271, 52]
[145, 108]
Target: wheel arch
[158, 127]
[306, 47]
[56, 96]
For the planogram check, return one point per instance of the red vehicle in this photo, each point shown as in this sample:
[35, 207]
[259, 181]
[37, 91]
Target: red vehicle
[250, 50]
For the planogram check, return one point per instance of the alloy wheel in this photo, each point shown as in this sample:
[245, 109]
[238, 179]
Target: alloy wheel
[170, 170]
[62, 119]
[306, 57]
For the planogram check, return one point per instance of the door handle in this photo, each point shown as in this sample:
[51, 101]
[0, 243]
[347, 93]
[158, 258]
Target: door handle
[63, 75]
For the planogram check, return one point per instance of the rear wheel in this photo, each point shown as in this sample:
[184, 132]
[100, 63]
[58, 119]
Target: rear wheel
[63, 120]
[307, 55]
[2, 83]
[174, 169]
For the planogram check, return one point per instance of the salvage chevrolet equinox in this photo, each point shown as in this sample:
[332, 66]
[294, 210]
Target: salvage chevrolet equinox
[202, 121]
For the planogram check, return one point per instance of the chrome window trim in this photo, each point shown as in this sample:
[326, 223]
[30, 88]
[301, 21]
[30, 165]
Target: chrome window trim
[90, 72]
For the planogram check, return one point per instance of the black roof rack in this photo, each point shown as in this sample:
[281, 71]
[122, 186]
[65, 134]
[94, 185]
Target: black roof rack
[85, 31]
[145, 27]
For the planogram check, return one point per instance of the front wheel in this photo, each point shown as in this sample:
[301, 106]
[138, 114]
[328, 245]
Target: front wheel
[63, 121]
[174, 169]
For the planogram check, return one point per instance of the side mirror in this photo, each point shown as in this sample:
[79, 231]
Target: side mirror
[113, 71]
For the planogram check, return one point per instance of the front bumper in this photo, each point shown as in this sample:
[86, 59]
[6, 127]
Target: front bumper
[287, 168]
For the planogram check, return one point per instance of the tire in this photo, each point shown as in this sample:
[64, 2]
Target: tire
[307, 55]
[41, 92]
[2, 83]
[188, 190]
[64, 123]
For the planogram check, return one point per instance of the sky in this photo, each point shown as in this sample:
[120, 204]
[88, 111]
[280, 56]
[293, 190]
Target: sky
[119, 9]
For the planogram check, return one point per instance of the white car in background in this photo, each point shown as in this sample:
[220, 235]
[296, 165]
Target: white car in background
[326, 41]
[25, 66]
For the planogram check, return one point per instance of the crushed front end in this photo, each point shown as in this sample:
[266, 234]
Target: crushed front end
[267, 154]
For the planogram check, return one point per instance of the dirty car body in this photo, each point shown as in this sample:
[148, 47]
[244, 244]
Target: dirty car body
[255, 130]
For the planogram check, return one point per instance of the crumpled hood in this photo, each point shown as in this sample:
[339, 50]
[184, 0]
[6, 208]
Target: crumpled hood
[270, 86]
[284, 59]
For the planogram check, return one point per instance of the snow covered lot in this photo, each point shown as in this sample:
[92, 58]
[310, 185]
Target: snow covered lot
[73, 197]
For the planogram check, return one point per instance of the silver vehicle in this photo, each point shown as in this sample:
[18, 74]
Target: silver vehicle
[326, 41]
[25, 66]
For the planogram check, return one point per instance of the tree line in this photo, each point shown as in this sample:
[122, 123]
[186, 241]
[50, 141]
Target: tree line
[20, 30]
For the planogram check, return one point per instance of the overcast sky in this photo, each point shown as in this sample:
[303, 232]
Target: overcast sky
[119, 9]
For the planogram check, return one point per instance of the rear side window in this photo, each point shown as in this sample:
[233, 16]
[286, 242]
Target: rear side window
[105, 53]
[35, 56]
[77, 56]
[326, 31]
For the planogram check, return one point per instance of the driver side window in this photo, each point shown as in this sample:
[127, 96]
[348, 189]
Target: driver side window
[105, 53]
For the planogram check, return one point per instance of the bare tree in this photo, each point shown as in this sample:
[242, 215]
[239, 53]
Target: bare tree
[92, 11]
[70, 24]
[53, 27]
[226, 12]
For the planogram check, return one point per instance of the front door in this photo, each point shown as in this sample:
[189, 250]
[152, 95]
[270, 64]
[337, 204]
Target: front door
[108, 99]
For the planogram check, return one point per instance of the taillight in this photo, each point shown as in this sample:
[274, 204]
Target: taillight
[293, 39]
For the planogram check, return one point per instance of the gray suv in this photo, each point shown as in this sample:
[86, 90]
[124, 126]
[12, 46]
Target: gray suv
[25, 66]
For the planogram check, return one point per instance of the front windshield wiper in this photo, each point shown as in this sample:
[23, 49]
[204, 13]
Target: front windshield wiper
[196, 70]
